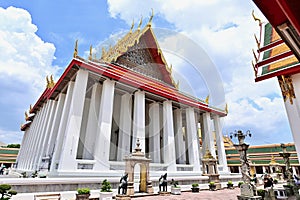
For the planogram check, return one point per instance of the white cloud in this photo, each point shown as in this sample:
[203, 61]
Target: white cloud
[25, 61]
[224, 29]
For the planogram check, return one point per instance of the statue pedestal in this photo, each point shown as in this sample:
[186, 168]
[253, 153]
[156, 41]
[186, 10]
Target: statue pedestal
[122, 197]
[164, 193]
[247, 192]
[130, 188]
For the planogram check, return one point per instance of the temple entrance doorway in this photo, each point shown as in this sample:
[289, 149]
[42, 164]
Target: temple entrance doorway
[137, 168]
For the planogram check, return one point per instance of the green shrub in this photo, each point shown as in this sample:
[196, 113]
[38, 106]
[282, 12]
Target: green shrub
[261, 192]
[229, 183]
[240, 183]
[83, 190]
[211, 183]
[106, 187]
[5, 192]
[194, 185]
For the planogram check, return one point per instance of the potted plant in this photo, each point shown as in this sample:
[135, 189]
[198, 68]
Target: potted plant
[240, 183]
[105, 191]
[229, 185]
[275, 181]
[175, 188]
[5, 192]
[195, 187]
[212, 186]
[83, 193]
[261, 192]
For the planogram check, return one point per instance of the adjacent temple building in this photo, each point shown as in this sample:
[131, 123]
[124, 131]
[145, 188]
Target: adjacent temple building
[87, 122]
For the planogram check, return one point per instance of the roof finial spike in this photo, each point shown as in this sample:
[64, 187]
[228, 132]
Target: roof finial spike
[30, 107]
[48, 82]
[52, 83]
[254, 68]
[103, 53]
[256, 59]
[141, 21]
[91, 53]
[75, 49]
[132, 25]
[255, 18]
[151, 17]
[26, 115]
[226, 108]
[207, 99]
[257, 42]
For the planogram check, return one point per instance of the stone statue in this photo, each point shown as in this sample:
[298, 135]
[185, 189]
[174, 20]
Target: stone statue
[163, 182]
[123, 184]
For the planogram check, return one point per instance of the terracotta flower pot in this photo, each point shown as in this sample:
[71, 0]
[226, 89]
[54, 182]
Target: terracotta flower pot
[82, 196]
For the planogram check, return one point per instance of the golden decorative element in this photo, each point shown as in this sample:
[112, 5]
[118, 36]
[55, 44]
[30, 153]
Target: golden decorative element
[208, 154]
[273, 161]
[226, 108]
[256, 18]
[132, 25]
[176, 84]
[207, 99]
[255, 57]
[26, 115]
[103, 53]
[48, 82]
[30, 107]
[169, 69]
[287, 88]
[75, 49]
[255, 70]
[91, 53]
[140, 24]
[151, 17]
[51, 82]
[257, 42]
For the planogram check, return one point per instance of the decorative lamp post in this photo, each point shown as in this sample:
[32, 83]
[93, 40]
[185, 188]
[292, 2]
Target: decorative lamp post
[242, 149]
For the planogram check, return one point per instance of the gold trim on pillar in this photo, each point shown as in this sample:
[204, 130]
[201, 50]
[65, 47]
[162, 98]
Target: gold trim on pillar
[287, 88]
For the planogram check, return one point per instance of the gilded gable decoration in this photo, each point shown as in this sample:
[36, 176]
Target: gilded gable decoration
[287, 88]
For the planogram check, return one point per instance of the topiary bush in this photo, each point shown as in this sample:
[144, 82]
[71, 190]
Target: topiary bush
[6, 192]
[106, 187]
[83, 190]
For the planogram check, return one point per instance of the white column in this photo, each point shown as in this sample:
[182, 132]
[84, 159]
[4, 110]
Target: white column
[102, 145]
[125, 126]
[168, 137]
[193, 139]
[69, 149]
[179, 141]
[154, 133]
[138, 126]
[32, 136]
[41, 135]
[92, 124]
[220, 143]
[24, 144]
[208, 135]
[55, 125]
[62, 127]
[293, 112]
[43, 145]
[38, 134]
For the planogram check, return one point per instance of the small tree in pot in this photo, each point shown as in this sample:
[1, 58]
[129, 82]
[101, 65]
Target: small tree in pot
[175, 188]
[83, 193]
[195, 187]
[212, 186]
[229, 185]
[105, 191]
[5, 192]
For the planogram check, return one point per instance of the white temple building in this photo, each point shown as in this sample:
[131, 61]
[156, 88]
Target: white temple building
[90, 119]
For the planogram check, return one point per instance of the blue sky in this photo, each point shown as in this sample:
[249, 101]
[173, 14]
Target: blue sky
[37, 39]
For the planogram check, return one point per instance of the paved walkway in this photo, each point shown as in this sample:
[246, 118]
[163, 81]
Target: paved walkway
[224, 194]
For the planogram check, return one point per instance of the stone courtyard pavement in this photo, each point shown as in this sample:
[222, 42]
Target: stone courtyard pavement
[224, 194]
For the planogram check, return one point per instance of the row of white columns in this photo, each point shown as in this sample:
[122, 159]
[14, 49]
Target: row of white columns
[56, 130]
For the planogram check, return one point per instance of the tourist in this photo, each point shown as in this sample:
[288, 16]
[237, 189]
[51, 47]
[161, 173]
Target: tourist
[268, 181]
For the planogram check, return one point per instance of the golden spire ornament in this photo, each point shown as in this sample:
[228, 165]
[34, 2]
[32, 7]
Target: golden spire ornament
[256, 18]
[75, 49]
[140, 24]
[151, 17]
[207, 99]
[91, 53]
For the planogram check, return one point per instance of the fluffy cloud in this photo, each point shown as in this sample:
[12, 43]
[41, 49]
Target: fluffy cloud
[224, 30]
[25, 61]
